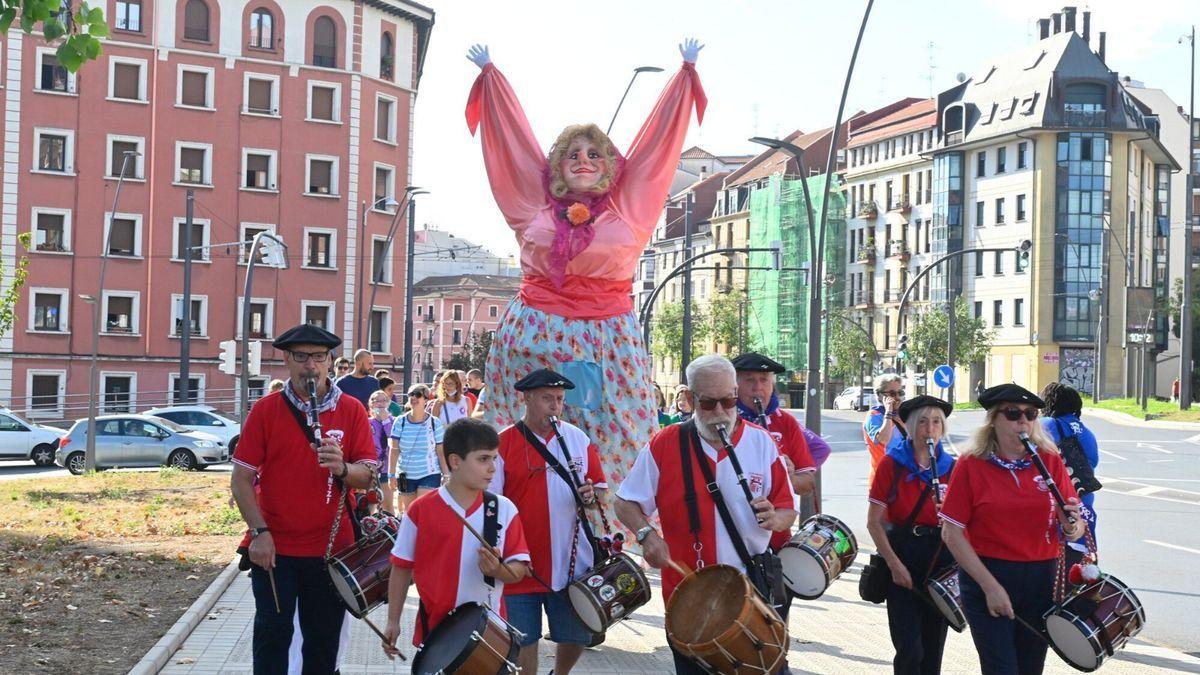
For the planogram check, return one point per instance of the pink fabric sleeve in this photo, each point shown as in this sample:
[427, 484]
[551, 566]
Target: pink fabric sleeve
[515, 164]
[653, 156]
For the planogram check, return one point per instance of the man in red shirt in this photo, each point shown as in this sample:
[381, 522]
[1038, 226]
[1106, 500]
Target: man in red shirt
[560, 542]
[654, 485]
[301, 486]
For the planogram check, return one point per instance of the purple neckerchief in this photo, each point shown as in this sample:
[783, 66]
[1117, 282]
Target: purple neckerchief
[570, 240]
[1015, 465]
[332, 394]
[751, 415]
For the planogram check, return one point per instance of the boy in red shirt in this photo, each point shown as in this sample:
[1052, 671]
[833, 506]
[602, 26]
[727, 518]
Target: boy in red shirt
[434, 548]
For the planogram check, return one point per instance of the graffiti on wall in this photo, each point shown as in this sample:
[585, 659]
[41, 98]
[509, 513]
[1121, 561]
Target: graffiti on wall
[1077, 368]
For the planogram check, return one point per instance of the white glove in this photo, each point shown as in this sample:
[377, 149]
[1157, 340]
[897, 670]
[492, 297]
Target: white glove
[478, 54]
[690, 49]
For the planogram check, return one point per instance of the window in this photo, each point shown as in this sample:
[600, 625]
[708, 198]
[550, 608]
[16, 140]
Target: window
[1001, 159]
[195, 21]
[124, 234]
[387, 56]
[997, 312]
[1021, 208]
[980, 164]
[195, 163]
[1000, 211]
[46, 391]
[126, 79]
[262, 312]
[493, 312]
[258, 169]
[262, 29]
[52, 75]
[54, 149]
[385, 119]
[49, 311]
[317, 313]
[978, 309]
[979, 214]
[318, 248]
[379, 331]
[324, 42]
[381, 261]
[1018, 311]
[249, 231]
[324, 102]
[129, 15]
[120, 312]
[52, 230]
[199, 239]
[458, 312]
[118, 392]
[322, 176]
[198, 317]
[384, 185]
[456, 337]
[260, 94]
[195, 389]
[195, 86]
[117, 147]
[1022, 155]
[998, 260]
[978, 263]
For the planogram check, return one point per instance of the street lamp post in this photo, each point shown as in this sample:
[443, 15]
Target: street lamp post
[408, 290]
[636, 71]
[1186, 328]
[275, 255]
[686, 346]
[391, 234]
[387, 202]
[89, 454]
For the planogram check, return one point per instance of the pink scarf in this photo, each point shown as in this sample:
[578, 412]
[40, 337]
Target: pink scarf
[570, 240]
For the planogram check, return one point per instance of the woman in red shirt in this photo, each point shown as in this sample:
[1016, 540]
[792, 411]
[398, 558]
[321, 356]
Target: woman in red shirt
[1006, 531]
[903, 522]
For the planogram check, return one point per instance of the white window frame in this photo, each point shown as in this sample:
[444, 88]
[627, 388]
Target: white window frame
[139, 162]
[132, 375]
[68, 248]
[328, 305]
[64, 310]
[135, 317]
[332, 248]
[274, 80]
[57, 413]
[272, 170]
[391, 139]
[268, 320]
[243, 249]
[391, 187]
[387, 276]
[205, 239]
[386, 342]
[142, 65]
[461, 311]
[197, 394]
[137, 233]
[334, 175]
[208, 157]
[72, 88]
[337, 102]
[69, 152]
[209, 83]
[176, 309]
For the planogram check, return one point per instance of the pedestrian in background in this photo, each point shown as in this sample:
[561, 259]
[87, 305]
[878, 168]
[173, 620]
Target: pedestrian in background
[341, 367]
[381, 429]
[360, 384]
[416, 461]
[883, 425]
[1064, 406]
[276, 385]
[382, 373]
[683, 403]
[660, 403]
[452, 402]
[388, 386]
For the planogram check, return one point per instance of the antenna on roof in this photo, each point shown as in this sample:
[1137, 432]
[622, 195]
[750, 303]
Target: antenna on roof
[932, 66]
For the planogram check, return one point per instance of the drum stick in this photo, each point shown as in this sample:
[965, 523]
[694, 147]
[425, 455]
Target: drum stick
[1041, 467]
[683, 571]
[274, 592]
[483, 541]
[382, 636]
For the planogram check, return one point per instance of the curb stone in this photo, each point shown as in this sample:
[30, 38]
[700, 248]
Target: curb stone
[168, 644]
[1131, 421]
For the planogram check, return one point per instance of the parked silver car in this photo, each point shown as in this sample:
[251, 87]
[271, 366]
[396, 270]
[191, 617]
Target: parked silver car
[140, 440]
[21, 439]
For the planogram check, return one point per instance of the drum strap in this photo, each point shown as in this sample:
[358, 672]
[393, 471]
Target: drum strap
[491, 525]
[690, 439]
[308, 434]
[570, 479]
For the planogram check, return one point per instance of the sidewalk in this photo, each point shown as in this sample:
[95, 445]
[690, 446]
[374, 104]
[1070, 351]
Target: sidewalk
[837, 633]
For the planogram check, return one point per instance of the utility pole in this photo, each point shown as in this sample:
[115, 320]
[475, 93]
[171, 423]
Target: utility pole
[1186, 329]
[408, 294]
[1102, 329]
[185, 335]
[686, 351]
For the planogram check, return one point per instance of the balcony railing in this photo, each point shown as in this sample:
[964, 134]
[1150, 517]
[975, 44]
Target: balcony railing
[1078, 115]
[867, 210]
[901, 205]
[866, 253]
[862, 297]
[898, 248]
[892, 296]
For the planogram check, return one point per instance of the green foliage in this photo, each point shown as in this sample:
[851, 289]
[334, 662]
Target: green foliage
[928, 331]
[10, 296]
[473, 355]
[81, 29]
[666, 334]
[846, 346]
[728, 320]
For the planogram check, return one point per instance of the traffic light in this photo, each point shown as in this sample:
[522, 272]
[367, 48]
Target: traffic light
[228, 356]
[902, 346]
[255, 356]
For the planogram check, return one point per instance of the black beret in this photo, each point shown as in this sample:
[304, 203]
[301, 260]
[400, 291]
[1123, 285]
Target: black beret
[1009, 393]
[306, 334]
[543, 377]
[924, 401]
[757, 363]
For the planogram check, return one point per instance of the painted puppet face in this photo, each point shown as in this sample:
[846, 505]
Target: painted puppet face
[583, 165]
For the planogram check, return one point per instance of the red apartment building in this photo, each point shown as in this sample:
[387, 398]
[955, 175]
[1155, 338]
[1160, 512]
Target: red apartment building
[450, 309]
[280, 115]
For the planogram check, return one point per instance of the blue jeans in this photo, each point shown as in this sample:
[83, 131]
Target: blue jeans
[524, 612]
[431, 482]
[1005, 646]
[302, 582]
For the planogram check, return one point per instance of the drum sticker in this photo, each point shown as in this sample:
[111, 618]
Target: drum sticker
[756, 483]
[607, 593]
[942, 489]
[816, 540]
[595, 580]
[616, 611]
[626, 584]
[1041, 483]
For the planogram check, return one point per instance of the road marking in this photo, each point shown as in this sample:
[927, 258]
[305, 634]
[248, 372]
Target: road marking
[1158, 461]
[1155, 447]
[1177, 547]
[1145, 491]
[1113, 454]
[1166, 480]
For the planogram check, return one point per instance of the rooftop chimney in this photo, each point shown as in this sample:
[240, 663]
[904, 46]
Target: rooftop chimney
[1087, 27]
[1068, 19]
[1056, 18]
[1044, 28]
[1100, 53]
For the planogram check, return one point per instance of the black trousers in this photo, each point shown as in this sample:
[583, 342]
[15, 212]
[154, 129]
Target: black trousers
[1005, 646]
[300, 582]
[917, 628]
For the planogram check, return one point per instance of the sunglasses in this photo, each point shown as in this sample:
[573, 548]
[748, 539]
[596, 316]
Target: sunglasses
[1014, 414]
[416, 395]
[706, 403]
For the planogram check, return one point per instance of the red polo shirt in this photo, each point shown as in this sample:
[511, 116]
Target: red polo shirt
[1009, 515]
[899, 504]
[292, 485]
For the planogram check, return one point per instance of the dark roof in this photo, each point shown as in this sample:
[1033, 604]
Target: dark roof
[484, 281]
[703, 203]
[913, 117]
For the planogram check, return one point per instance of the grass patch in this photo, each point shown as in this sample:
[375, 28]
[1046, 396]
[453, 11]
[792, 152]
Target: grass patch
[967, 405]
[1155, 409]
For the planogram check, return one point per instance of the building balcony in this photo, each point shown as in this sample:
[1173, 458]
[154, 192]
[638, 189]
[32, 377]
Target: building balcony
[898, 248]
[892, 296]
[429, 318]
[863, 298]
[867, 210]
[866, 253]
[901, 206]
[427, 342]
[1088, 116]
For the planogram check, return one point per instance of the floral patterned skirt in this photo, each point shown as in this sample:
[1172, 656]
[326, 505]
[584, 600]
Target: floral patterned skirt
[608, 363]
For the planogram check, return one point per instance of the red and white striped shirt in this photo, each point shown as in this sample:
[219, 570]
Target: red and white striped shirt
[656, 484]
[444, 556]
[547, 503]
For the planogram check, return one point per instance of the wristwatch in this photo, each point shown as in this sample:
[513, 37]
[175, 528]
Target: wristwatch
[255, 531]
[643, 533]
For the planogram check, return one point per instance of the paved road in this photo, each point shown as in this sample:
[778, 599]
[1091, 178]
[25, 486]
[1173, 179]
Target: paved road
[1147, 511]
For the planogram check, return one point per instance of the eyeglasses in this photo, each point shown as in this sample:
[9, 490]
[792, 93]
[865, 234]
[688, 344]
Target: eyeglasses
[343, 367]
[897, 393]
[416, 395]
[317, 357]
[706, 403]
[1014, 414]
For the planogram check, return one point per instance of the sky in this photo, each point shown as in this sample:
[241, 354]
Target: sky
[769, 67]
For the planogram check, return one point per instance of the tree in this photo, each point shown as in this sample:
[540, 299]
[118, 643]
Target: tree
[666, 334]
[727, 321]
[474, 353]
[928, 331]
[846, 346]
[81, 28]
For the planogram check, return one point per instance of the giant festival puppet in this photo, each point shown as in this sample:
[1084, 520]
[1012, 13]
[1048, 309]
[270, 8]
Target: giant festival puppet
[582, 217]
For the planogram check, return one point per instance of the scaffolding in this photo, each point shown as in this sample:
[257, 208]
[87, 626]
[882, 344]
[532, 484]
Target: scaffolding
[778, 300]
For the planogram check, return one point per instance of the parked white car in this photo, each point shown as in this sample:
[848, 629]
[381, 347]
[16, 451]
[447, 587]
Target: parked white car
[854, 398]
[20, 439]
[202, 418]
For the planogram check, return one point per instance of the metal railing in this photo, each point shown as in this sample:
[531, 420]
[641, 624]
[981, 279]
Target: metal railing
[63, 410]
[1077, 115]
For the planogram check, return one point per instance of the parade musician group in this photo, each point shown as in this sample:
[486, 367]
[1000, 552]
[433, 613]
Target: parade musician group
[538, 486]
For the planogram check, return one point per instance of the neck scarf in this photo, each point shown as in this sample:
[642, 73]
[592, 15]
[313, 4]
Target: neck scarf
[329, 402]
[902, 454]
[750, 414]
[570, 240]
[1014, 465]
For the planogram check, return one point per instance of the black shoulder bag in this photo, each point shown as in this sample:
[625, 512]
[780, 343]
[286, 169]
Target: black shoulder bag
[764, 570]
[308, 434]
[1076, 460]
[572, 482]
[876, 578]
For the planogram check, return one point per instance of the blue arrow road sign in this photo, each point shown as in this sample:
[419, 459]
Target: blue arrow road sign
[943, 376]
